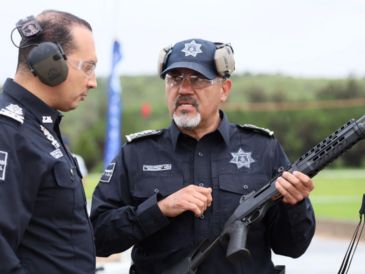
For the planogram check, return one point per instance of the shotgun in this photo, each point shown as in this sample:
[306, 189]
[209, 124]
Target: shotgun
[253, 206]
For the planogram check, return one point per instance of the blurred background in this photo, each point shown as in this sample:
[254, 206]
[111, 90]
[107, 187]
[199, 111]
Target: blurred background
[300, 60]
[300, 71]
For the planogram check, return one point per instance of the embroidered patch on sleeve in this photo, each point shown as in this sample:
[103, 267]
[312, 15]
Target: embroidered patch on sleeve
[108, 173]
[3, 163]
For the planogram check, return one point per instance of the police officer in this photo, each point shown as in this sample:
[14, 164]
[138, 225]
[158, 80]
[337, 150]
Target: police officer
[168, 190]
[44, 226]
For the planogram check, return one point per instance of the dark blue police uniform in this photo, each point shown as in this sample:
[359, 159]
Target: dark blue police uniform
[44, 224]
[233, 161]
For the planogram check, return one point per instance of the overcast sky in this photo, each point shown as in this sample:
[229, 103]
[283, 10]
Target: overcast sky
[295, 37]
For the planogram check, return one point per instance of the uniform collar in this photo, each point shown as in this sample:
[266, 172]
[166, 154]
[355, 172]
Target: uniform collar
[43, 113]
[223, 129]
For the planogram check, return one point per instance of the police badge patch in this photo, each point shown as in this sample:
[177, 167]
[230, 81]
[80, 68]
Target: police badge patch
[192, 49]
[3, 163]
[242, 158]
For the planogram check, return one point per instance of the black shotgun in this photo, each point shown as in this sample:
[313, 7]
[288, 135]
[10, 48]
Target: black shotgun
[253, 206]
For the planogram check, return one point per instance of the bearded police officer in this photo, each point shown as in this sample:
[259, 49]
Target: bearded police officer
[168, 190]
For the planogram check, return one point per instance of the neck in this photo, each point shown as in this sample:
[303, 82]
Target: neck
[34, 86]
[204, 128]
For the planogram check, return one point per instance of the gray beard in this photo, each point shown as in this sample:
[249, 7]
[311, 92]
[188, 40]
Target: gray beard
[186, 122]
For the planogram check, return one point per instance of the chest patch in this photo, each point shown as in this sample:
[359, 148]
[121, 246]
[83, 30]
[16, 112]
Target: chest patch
[3, 164]
[57, 153]
[157, 167]
[50, 137]
[242, 158]
[47, 120]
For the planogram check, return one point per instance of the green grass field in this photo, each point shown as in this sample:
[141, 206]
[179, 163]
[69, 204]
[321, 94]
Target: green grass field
[91, 182]
[337, 194]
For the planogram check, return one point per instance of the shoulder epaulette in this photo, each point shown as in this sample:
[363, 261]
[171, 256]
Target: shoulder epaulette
[14, 112]
[141, 134]
[265, 131]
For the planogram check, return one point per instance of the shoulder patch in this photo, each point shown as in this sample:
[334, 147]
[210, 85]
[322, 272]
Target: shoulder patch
[265, 131]
[14, 112]
[108, 173]
[141, 134]
[3, 163]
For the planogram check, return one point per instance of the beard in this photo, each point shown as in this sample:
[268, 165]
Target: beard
[184, 119]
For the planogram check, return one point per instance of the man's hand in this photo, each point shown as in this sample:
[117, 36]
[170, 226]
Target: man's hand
[190, 198]
[294, 186]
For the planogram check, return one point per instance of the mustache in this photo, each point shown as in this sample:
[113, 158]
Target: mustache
[186, 99]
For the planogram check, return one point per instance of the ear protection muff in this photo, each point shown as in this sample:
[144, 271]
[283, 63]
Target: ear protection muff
[223, 58]
[48, 61]
[162, 59]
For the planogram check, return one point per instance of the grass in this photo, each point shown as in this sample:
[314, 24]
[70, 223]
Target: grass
[90, 184]
[337, 194]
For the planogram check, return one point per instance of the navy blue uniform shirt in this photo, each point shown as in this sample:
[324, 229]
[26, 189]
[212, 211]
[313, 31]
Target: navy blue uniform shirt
[44, 225]
[233, 161]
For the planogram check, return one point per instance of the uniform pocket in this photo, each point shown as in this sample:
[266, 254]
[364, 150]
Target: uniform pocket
[69, 183]
[231, 189]
[65, 176]
[175, 235]
[151, 185]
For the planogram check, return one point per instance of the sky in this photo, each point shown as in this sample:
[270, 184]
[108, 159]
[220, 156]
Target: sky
[311, 38]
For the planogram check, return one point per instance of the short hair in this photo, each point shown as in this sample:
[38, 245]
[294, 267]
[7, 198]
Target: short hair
[56, 27]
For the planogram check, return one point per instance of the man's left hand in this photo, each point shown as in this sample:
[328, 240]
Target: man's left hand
[294, 187]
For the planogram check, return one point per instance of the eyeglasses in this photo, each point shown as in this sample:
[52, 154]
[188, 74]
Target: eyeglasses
[87, 67]
[196, 82]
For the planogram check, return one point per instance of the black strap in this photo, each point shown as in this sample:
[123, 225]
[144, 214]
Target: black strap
[132, 269]
[279, 269]
[345, 266]
[100, 268]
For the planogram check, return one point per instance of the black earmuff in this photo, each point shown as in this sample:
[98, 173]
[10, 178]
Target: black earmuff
[46, 60]
[223, 58]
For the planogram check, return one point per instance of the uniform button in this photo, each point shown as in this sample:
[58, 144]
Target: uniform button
[156, 190]
[245, 186]
[201, 184]
[200, 154]
[72, 171]
[201, 217]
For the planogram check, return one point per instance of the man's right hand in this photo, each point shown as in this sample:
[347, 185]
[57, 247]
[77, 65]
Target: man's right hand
[190, 198]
